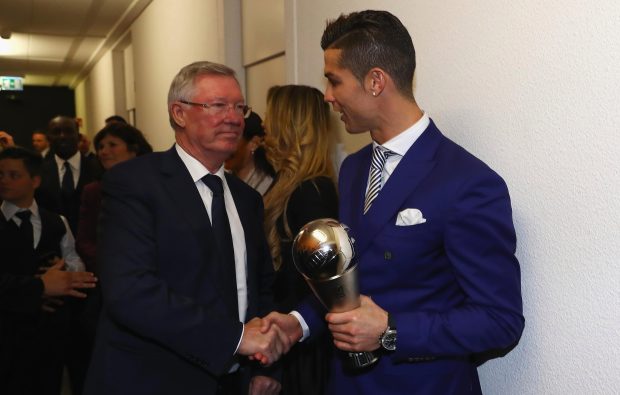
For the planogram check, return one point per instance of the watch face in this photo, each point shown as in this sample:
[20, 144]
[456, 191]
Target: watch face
[388, 341]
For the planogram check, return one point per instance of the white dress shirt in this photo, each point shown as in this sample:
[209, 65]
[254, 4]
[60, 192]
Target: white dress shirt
[67, 243]
[197, 171]
[75, 162]
[400, 144]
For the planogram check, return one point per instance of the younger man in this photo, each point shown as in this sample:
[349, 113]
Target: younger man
[32, 239]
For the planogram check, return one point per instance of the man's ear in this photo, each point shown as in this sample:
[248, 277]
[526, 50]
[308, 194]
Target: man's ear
[36, 181]
[375, 81]
[177, 112]
[255, 142]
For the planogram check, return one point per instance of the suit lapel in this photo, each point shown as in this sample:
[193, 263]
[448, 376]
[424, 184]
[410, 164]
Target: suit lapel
[186, 200]
[412, 169]
[189, 205]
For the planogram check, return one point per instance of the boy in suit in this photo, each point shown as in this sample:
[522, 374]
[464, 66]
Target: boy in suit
[32, 238]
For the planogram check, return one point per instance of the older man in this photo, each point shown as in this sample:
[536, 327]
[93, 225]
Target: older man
[185, 264]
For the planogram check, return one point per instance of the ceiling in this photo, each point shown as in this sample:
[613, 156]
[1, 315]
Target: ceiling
[57, 42]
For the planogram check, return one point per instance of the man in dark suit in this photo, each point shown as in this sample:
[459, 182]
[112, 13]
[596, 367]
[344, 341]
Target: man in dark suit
[66, 172]
[432, 226]
[180, 298]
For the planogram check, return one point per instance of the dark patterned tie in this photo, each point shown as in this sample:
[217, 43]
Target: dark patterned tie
[25, 228]
[379, 157]
[223, 237]
[67, 186]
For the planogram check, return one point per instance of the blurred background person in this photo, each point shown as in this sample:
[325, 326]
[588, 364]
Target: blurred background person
[40, 143]
[115, 143]
[84, 146]
[63, 177]
[299, 145]
[32, 329]
[6, 140]
[250, 162]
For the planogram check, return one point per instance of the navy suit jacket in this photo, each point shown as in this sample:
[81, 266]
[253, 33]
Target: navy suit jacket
[452, 283]
[165, 327]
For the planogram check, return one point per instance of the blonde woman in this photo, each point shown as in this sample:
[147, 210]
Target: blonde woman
[299, 145]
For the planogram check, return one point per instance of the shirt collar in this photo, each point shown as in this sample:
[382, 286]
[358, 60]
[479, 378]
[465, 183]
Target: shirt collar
[401, 143]
[74, 161]
[196, 169]
[9, 209]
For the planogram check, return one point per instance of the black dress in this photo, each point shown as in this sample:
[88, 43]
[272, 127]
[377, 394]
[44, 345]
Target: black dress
[305, 367]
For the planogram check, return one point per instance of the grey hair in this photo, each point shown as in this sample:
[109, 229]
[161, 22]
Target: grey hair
[182, 86]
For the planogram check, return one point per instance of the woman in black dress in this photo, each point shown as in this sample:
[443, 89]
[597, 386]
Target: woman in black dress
[299, 145]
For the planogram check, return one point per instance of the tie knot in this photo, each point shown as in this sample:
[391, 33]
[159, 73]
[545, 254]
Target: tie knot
[214, 183]
[379, 156]
[24, 215]
[383, 152]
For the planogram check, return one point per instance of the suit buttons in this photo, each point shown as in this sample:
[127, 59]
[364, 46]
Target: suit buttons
[387, 255]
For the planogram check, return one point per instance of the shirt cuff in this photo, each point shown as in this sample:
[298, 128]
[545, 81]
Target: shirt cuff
[304, 327]
[239, 343]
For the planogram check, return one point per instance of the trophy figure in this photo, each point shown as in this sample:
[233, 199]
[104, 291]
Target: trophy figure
[323, 253]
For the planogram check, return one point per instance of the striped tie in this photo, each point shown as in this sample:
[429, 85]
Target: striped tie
[379, 156]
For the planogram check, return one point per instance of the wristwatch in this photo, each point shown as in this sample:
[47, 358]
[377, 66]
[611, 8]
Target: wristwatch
[388, 337]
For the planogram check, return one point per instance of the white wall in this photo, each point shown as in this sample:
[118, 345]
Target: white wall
[95, 96]
[533, 89]
[165, 38]
[264, 40]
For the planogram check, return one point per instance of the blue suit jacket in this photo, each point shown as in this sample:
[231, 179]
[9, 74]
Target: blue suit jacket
[452, 283]
[165, 326]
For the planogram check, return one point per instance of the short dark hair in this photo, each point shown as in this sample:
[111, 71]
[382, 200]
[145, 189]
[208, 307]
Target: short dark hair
[32, 160]
[254, 127]
[115, 118]
[373, 39]
[131, 136]
[63, 122]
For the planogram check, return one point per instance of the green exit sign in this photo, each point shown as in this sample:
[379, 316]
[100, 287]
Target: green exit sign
[11, 83]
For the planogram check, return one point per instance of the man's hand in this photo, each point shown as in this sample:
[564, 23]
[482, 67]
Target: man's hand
[359, 329]
[6, 140]
[59, 283]
[289, 327]
[287, 323]
[266, 347]
[263, 385]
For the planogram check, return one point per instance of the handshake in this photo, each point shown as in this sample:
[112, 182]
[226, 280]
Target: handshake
[266, 339]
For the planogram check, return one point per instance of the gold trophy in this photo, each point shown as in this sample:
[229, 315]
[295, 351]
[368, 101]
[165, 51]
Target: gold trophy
[323, 253]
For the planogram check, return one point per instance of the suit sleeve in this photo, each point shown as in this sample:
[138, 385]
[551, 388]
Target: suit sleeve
[134, 276]
[480, 243]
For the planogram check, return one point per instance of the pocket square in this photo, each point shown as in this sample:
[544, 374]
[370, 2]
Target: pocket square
[410, 216]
